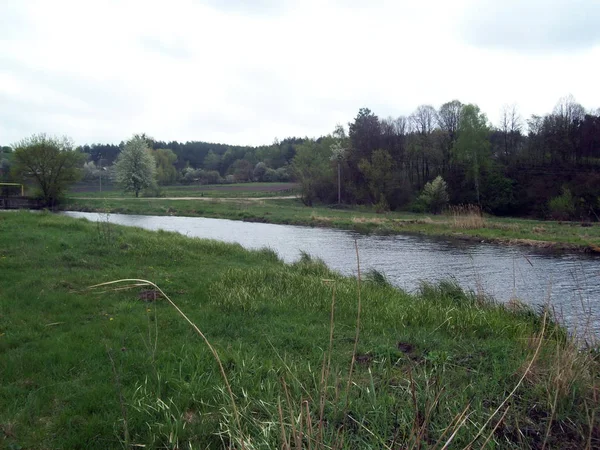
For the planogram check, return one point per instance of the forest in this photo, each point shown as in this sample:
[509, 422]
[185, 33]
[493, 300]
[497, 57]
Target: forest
[546, 166]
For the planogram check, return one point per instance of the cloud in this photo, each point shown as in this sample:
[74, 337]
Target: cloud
[255, 7]
[246, 72]
[532, 26]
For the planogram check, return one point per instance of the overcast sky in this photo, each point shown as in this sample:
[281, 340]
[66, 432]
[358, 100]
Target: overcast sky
[225, 71]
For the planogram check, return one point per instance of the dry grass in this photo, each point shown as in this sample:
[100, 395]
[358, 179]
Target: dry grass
[503, 226]
[467, 217]
[317, 218]
[375, 220]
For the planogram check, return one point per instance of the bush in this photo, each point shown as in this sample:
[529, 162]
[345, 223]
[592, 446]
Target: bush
[50, 163]
[382, 205]
[200, 176]
[259, 171]
[435, 195]
[563, 206]
[154, 190]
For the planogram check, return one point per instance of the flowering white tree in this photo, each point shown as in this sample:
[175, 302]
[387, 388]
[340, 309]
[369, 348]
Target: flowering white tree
[135, 166]
[435, 195]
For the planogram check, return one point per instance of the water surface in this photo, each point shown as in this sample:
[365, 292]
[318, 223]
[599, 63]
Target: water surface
[570, 282]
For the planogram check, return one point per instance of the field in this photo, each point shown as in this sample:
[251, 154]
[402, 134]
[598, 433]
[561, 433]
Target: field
[313, 360]
[236, 190]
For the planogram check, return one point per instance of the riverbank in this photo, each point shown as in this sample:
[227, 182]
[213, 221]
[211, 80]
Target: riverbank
[569, 236]
[83, 369]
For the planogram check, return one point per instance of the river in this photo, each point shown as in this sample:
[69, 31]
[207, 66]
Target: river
[569, 282]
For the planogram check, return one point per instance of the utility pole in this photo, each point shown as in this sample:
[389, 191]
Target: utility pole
[100, 164]
[338, 153]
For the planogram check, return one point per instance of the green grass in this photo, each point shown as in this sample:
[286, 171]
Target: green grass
[234, 190]
[81, 369]
[569, 235]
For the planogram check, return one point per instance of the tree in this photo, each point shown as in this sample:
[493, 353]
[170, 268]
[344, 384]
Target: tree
[135, 166]
[449, 120]
[242, 170]
[364, 133]
[6, 157]
[424, 120]
[212, 161]
[473, 146]
[510, 127]
[312, 169]
[166, 173]
[379, 173]
[435, 195]
[90, 171]
[260, 171]
[50, 162]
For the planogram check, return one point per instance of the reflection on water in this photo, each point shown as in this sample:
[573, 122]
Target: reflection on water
[570, 282]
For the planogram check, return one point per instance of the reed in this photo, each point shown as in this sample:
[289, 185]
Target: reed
[466, 217]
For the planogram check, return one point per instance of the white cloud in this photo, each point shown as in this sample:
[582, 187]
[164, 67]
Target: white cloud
[221, 71]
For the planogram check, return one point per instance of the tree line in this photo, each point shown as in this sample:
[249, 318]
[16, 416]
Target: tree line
[204, 162]
[545, 166]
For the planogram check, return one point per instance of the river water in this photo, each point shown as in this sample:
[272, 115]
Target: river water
[569, 282]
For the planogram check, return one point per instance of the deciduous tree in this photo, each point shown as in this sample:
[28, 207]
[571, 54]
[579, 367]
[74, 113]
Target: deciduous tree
[135, 167]
[50, 162]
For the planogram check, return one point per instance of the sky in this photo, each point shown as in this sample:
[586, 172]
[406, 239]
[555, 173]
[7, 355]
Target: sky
[248, 72]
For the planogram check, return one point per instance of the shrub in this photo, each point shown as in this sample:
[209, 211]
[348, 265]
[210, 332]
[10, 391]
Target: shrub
[563, 206]
[435, 195]
[382, 205]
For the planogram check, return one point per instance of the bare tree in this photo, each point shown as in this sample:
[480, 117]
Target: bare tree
[424, 119]
[402, 125]
[449, 117]
[569, 110]
[511, 125]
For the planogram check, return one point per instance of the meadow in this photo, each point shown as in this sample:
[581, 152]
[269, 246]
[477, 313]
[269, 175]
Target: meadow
[235, 190]
[273, 355]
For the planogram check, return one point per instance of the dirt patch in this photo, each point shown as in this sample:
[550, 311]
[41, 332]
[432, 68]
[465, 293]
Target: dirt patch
[405, 347]
[364, 359]
[149, 295]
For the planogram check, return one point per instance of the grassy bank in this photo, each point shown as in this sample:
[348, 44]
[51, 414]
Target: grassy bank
[569, 235]
[83, 369]
[234, 190]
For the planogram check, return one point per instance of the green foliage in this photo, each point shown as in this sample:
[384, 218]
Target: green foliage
[313, 169]
[382, 205]
[212, 161]
[379, 173]
[200, 176]
[435, 195]
[166, 173]
[563, 206]
[260, 170]
[242, 170]
[472, 147]
[51, 163]
[498, 193]
[135, 167]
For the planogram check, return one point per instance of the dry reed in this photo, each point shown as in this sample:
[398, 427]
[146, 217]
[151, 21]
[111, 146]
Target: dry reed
[467, 217]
